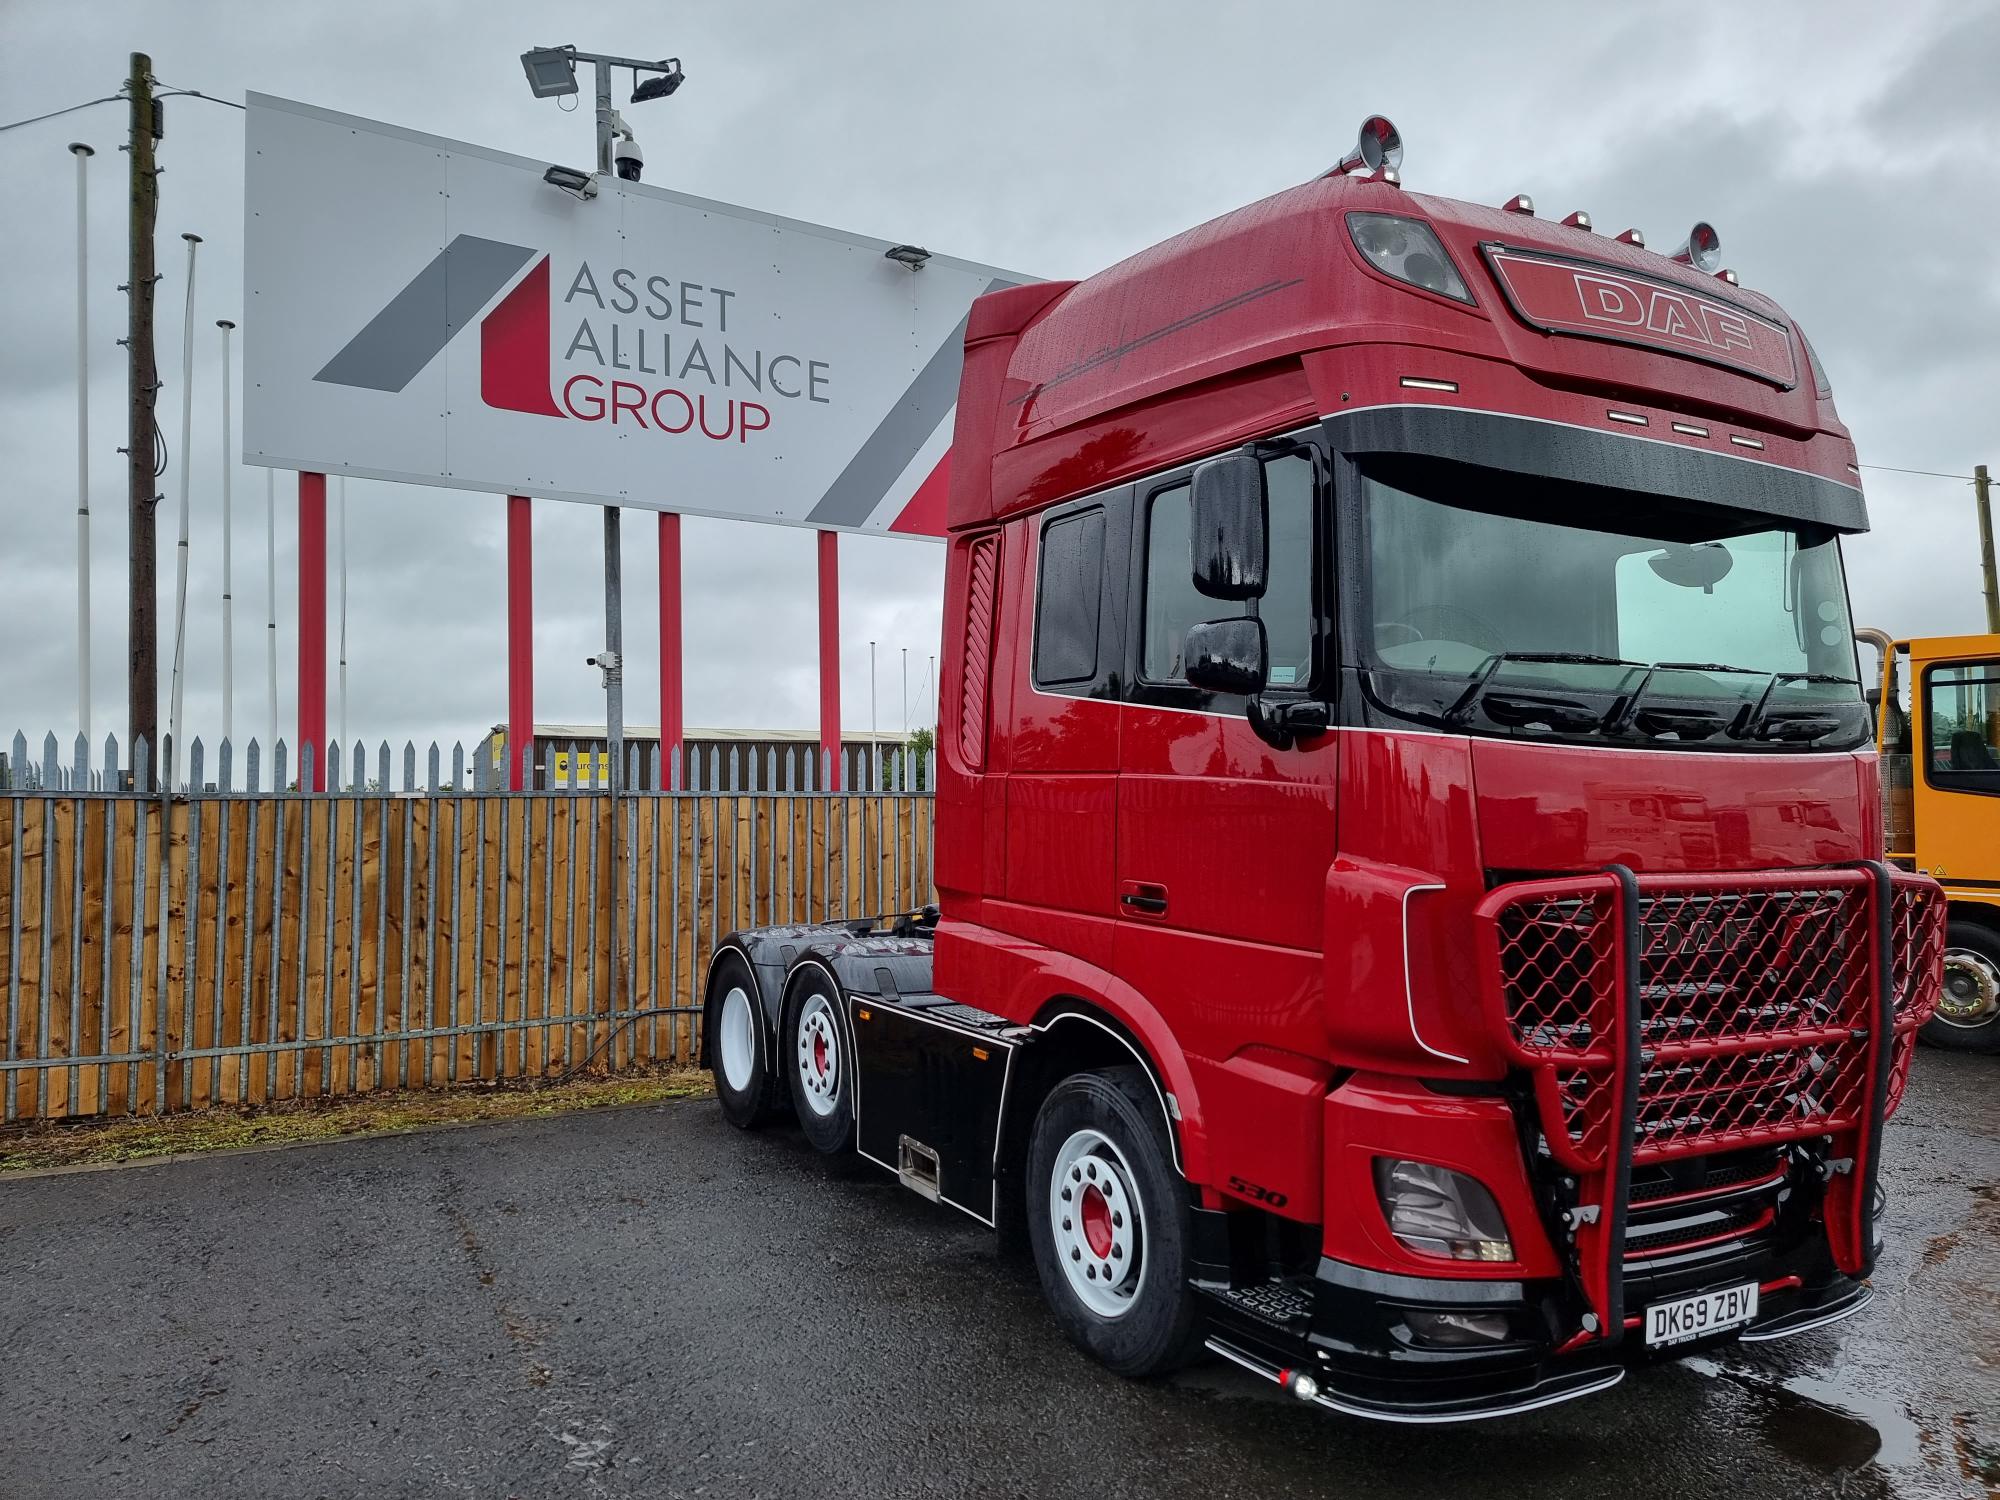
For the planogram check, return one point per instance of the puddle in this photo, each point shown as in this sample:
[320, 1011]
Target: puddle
[1822, 1423]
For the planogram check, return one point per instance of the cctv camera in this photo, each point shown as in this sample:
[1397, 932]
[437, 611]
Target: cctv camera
[628, 159]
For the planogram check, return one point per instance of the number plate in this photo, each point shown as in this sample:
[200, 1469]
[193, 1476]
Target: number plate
[1704, 1313]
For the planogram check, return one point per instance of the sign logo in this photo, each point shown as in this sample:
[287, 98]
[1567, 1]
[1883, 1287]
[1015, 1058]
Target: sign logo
[1591, 300]
[518, 349]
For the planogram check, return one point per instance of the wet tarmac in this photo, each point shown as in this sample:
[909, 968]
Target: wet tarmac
[644, 1302]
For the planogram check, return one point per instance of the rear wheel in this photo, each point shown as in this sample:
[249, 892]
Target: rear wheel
[1968, 1013]
[819, 1059]
[1108, 1222]
[736, 1056]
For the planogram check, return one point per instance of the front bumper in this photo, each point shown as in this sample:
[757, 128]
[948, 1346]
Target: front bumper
[1349, 1329]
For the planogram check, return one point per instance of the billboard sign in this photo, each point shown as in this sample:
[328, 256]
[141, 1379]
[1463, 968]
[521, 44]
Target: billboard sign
[423, 310]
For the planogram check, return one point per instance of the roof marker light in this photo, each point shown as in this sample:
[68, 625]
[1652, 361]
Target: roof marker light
[1520, 203]
[1630, 418]
[1633, 237]
[1690, 429]
[1702, 249]
[1743, 442]
[1421, 383]
[1579, 220]
[1725, 274]
[1379, 148]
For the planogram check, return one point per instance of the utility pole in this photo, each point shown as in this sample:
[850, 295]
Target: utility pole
[142, 384]
[1981, 494]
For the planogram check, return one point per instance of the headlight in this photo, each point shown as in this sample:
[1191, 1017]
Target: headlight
[1407, 250]
[1436, 1211]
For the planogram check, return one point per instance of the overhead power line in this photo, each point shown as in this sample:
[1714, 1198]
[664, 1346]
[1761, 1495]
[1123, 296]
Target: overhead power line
[117, 98]
[173, 93]
[1927, 473]
[70, 110]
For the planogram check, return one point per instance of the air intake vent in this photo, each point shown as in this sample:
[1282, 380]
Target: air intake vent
[982, 576]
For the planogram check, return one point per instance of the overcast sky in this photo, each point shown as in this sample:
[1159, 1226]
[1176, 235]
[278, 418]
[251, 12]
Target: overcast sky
[1848, 153]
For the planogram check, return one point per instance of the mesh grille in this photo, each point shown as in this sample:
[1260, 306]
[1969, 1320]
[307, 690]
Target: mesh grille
[1916, 926]
[1755, 1000]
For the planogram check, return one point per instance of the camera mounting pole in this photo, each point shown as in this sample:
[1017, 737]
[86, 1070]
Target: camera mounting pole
[544, 69]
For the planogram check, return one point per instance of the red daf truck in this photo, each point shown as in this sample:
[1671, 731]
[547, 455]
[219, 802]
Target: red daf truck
[1412, 909]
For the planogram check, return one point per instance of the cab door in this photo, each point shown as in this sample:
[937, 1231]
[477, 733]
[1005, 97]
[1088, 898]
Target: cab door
[1062, 727]
[1957, 777]
[1224, 842]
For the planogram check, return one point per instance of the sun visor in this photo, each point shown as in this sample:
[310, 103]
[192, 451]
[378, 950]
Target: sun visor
[1581, 455]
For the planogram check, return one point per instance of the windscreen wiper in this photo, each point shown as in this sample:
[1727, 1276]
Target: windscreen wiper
[1461, 708]
[1623, 712]
[1811, 728]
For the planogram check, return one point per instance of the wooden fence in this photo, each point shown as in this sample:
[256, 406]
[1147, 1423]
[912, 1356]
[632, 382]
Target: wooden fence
[214, 949]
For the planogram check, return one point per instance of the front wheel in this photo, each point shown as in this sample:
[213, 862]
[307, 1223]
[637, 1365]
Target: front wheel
[1968, 1013]
[1108, 1221]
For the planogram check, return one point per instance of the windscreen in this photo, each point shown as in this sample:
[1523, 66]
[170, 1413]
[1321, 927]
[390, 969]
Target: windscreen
[1500, 605]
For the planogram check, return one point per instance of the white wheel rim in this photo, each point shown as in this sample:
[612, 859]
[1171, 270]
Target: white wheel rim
[1098, 1224]
[819, 1055]
[737, 1040]
[1971, 989]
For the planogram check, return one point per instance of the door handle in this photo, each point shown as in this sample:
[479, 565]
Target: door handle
[1141, 895]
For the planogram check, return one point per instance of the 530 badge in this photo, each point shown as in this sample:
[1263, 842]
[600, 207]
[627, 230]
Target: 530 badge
[1269, 1197]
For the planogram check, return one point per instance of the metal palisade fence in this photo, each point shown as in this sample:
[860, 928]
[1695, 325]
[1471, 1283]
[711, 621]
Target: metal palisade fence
[229, 939]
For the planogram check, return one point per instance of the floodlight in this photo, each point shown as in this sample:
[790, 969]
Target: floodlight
[912, 256]
[550, 71]
[570, 180]
[670, 78]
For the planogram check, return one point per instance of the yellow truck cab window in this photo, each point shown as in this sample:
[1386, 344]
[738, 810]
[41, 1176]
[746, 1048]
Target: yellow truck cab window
[1962, 727]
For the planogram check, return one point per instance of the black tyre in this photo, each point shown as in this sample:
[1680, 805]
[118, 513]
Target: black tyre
[818, 1058]
[1108, 1221]
[1968, 1015]
[737, 1053]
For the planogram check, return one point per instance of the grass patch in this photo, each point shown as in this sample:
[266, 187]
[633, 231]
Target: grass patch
[37, 1147]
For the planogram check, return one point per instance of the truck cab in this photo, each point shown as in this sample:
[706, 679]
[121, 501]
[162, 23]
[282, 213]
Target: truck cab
[1412, 908]
[1938, 701]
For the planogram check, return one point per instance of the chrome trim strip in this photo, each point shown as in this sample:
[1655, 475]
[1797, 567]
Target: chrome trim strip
[1409, 991]
[1145, 1064]
[1772, 1335]
[1421, 1419]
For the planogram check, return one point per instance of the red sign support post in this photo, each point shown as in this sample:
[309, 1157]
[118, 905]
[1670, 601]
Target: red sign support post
[520, 643]
[829, 655]
[673, 724]
[312, 628]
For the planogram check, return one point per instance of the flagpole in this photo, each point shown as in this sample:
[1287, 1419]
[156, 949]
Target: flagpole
[228, 603]
[83, 154]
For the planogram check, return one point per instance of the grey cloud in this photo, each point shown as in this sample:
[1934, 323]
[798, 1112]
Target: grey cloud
[1049, 137]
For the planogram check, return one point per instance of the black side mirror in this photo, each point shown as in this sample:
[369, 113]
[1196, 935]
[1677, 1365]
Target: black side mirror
[1225, 656]
[1228, 545]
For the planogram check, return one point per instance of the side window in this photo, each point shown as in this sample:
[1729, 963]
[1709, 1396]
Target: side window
[1173, 603]
[1069, 589]
[1962, 727]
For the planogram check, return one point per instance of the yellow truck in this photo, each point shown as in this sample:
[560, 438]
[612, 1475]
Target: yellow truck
[1938, 729]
